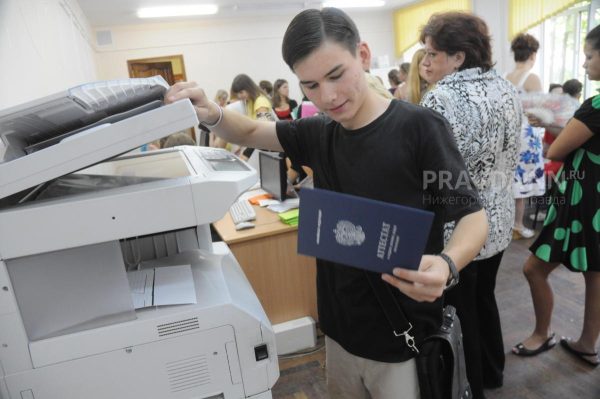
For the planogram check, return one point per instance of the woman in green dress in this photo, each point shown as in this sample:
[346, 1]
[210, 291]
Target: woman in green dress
[571, 232]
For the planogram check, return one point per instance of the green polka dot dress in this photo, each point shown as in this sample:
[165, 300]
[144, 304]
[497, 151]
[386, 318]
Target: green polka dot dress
[571, 232]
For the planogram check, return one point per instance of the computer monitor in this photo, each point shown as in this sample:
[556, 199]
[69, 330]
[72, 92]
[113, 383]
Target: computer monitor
[273, 176]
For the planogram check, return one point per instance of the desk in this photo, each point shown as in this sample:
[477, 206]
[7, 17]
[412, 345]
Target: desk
[284, 281]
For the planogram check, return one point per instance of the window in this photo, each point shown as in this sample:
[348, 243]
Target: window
[561, 46]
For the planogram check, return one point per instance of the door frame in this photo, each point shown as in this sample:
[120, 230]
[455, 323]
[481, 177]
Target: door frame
[173, 59]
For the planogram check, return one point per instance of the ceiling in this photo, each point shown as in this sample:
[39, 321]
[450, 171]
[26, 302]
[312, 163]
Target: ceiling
[123, 12]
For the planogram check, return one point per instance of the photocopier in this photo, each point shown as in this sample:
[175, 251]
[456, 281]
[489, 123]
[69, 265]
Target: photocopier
[80, 212]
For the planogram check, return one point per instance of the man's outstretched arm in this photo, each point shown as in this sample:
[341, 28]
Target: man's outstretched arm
[229, 125]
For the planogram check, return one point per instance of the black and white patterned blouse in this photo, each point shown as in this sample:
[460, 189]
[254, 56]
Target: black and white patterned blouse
[485, 114]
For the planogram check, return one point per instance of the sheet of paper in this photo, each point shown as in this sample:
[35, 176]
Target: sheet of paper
[174, 285]
[141, 284]
[168, 285]
[252, 193]
[286, 205]
[267, 202]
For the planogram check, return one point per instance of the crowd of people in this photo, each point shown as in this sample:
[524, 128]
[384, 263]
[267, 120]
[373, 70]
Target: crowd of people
[449, 112]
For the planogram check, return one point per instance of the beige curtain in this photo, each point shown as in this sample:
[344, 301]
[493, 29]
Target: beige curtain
[525, 14]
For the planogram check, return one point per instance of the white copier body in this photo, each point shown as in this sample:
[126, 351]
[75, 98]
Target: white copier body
[68, 328]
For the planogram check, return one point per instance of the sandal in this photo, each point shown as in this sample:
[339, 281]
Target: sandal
[522, 232]
[566, 343]
[520, 349]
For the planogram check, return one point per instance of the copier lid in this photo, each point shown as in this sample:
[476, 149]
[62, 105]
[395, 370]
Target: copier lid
[65, 132]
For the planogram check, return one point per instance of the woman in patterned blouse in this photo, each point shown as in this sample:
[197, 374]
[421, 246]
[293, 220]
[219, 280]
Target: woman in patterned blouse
[484, 113]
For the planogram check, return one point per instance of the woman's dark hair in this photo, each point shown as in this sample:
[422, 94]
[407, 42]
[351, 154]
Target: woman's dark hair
[593, 38]
[523, 45]
[309, 29]
[266, 86]
[452, 32]
[393, 76]
[244, 82]
[276, 96]
[572, 87]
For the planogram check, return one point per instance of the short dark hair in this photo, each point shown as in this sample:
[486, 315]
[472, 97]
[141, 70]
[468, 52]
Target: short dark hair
[554, 86]
[405, 67]
[572, 87]
[393, 76]
[177, 139]
[593, 38]
[266, 86]
[523, 45]
[452, 32]
[309, 29]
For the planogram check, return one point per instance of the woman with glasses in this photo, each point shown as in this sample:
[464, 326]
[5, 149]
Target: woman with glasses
[484, 113]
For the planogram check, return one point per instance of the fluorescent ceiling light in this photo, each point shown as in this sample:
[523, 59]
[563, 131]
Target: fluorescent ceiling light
[177, 11]
[353, 3]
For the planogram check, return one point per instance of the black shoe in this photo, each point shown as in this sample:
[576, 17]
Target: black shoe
[590, 358]
[520, 350]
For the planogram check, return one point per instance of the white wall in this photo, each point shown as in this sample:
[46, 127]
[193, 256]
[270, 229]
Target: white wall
[215, 51]
[47, 46]
[43, 49]
[495, 14]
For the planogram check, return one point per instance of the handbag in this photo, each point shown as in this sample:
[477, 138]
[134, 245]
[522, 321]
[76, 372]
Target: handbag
[441, 363]
[440, 358]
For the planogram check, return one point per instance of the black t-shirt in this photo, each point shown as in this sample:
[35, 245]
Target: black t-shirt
[386, 161]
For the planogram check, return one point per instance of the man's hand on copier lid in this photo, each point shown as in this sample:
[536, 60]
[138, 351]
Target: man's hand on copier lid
[207, 110]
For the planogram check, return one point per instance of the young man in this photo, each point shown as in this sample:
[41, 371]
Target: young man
[369, 146]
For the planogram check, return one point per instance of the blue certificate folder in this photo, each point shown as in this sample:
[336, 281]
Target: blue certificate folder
[361, 232]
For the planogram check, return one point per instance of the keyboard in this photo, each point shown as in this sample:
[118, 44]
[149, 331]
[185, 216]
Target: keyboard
[242, 211]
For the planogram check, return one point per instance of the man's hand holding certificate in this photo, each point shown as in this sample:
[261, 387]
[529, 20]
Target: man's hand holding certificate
[426, 284]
